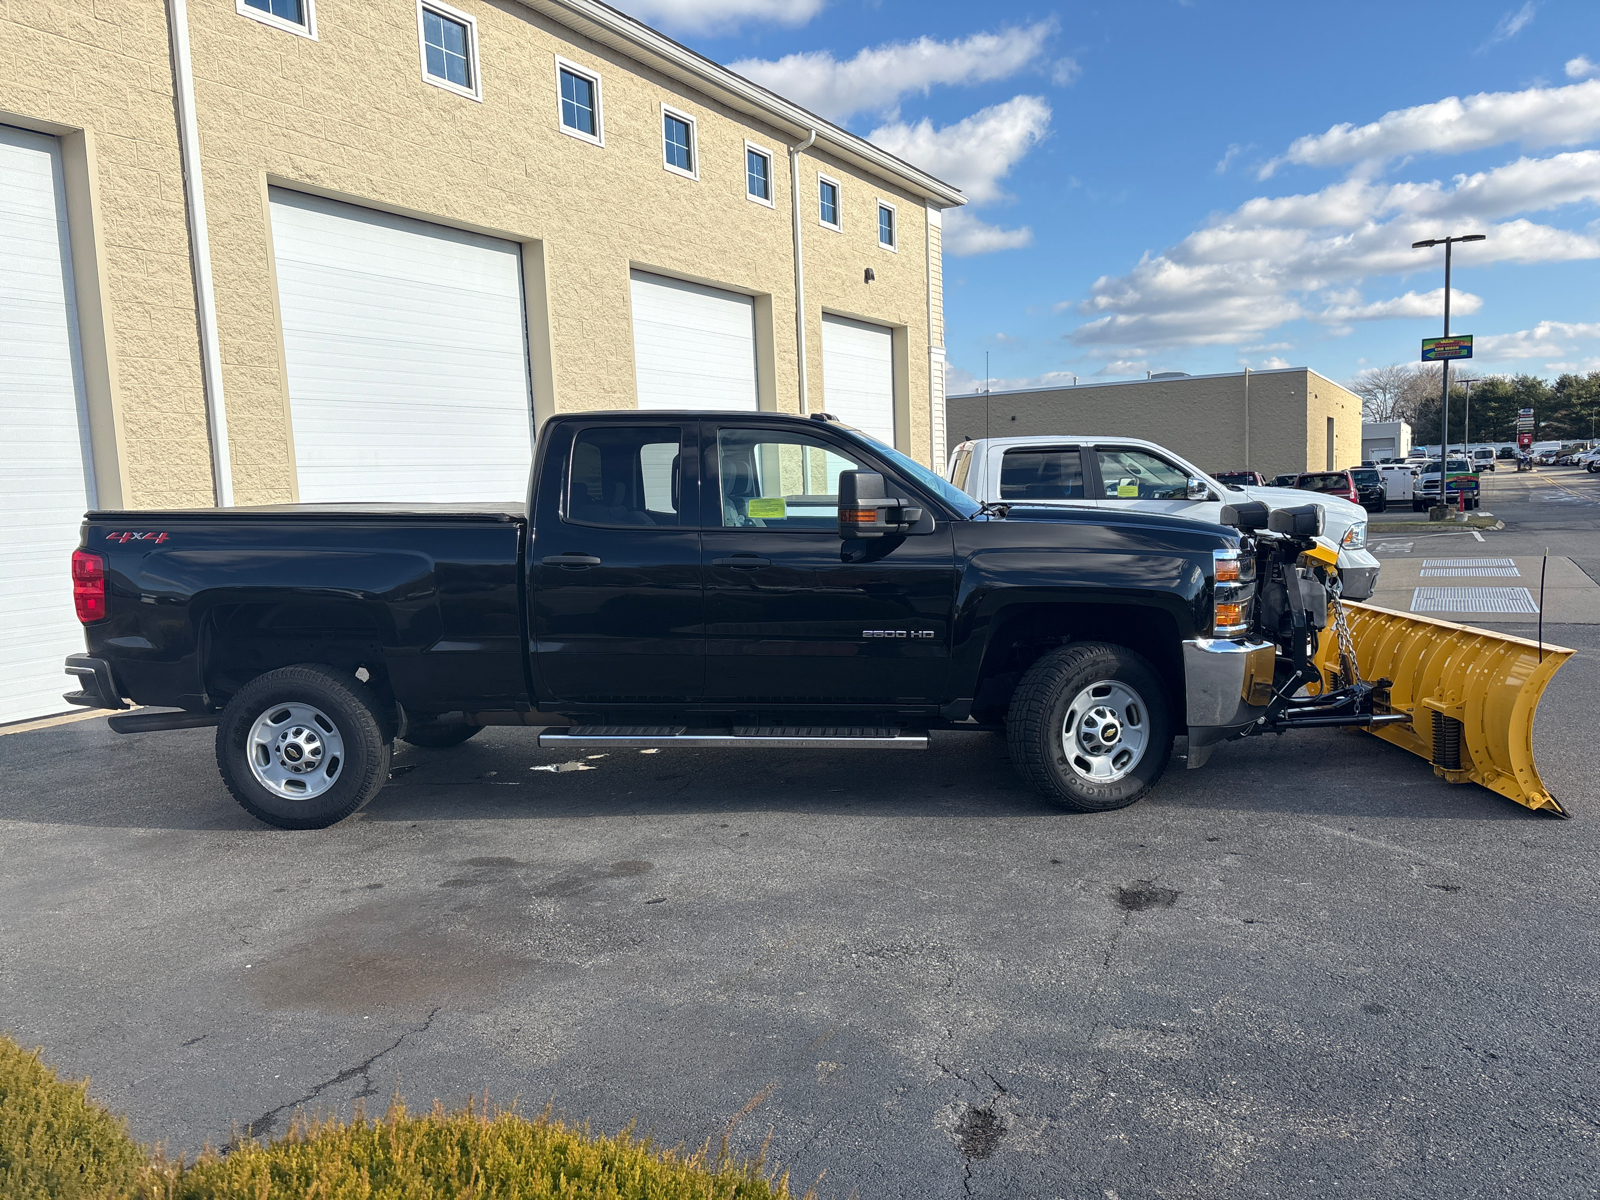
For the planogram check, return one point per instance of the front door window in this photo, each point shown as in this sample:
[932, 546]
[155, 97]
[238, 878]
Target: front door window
[1128, 474]
[779, 480]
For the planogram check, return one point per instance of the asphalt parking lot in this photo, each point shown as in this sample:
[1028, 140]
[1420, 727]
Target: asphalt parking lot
[1309, 969]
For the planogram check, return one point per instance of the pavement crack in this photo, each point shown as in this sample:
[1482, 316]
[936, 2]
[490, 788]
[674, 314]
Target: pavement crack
[263, 1125]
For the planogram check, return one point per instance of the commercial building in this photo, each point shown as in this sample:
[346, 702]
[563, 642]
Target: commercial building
[1268, 421]
[328, 250]
[1385, 439]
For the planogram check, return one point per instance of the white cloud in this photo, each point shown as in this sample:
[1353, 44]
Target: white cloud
[702, 15]
[1534, 117]
[966, 235]
[877, 78]
[975, 153]
[1066, 72]
[1277, 259]
[1574, 368]
[961, 382]
[1513, 23]
[1412, 304]
[1547, 337]
[1234, 151]
[1581, 67]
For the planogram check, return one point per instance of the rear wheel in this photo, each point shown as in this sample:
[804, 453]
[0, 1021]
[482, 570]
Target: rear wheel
[1088, 727]
[431, 735]
[302, 747]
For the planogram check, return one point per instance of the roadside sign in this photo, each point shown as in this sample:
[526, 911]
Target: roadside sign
[1440, 348]
[1524, 441]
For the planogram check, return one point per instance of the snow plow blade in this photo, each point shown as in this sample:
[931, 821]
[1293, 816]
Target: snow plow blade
[1471, 695]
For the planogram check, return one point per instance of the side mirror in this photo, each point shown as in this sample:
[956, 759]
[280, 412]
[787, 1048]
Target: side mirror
[1197, 489]
[864, 510]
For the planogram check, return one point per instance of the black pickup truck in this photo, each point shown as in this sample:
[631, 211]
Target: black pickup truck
[696, 579]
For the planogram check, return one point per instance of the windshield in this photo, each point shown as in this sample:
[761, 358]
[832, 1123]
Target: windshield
[1456, 464]
[1367, 478]
[942, 488]
[1327, 482]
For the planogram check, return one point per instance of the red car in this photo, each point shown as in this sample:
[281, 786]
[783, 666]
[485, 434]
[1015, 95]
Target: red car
[1329, 483]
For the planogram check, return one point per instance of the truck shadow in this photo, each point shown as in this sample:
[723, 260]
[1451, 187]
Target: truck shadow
[84, 775]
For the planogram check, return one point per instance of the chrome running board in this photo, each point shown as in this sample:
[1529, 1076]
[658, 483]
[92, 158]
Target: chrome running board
[745, 737]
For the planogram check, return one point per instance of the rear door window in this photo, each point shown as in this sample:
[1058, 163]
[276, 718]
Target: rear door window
[1046, 473]
[626, 475]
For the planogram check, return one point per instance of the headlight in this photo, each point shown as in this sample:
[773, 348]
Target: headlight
[1233, 592]
[1355, 537]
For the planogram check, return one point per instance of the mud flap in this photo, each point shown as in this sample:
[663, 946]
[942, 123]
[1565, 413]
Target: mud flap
[1471, 695]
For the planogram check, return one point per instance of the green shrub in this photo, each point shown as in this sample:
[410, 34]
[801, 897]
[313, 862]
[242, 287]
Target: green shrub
[56, 1143]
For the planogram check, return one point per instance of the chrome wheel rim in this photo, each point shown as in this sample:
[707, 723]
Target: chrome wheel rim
[295, 751]
[1105, 732]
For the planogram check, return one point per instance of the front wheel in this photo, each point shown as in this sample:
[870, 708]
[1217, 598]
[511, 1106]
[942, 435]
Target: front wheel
[1383, 506]
[302, 747]
[1088, 727]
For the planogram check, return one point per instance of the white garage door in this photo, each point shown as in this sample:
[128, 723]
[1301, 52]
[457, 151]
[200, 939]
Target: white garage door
[407, 355]
[45, 485]
[693, 346]
[858, 375]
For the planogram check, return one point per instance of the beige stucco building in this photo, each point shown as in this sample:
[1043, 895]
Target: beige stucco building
[1268, 421]
[277, 250]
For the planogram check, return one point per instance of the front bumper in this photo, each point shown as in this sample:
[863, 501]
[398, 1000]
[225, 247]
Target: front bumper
[1228, 686]
[1358, 574]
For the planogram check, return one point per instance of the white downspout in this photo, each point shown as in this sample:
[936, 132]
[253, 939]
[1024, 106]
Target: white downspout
[799, 268]
[200, 252]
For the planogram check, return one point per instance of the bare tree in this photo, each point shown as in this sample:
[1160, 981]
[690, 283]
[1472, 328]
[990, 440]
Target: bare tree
[1387, 393]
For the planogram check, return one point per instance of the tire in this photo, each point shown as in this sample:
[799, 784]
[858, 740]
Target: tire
[1060, 688]
[1383, 506]
[306, 713]
[1417, 506]
[432, 736]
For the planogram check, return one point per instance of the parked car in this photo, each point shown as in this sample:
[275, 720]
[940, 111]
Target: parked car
[1140, 476]
[1459, 479]
[707, 579]
[1336, 483]
[1371, 490]
[1241, 478]
[1483, 459]
[1284, 481]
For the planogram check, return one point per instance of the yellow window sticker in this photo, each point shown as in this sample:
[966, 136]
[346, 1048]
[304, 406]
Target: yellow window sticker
[768, 507]
[1127, 491]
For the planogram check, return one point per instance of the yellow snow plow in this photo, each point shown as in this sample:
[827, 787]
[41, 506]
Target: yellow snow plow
[1471, 695]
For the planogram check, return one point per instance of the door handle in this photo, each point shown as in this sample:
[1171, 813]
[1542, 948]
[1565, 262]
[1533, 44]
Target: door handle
[571, 560]
[742, 562]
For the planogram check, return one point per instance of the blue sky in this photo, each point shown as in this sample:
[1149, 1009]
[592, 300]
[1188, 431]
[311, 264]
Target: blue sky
[1197, 185]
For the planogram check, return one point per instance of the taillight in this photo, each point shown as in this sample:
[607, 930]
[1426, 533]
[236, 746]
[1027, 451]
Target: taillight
[89, 586]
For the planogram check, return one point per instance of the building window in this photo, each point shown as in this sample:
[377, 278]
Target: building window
[580, 102]
[886, 225]
[828, 201]
[677, 143]
[449, 48]
[292, 16]
[758, 174]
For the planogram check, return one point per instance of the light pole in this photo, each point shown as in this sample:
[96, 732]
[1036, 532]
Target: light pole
[1444, 406]
[1466, 421]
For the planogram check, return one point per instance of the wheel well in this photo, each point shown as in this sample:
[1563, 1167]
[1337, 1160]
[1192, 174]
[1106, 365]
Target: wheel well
[239, 642]
[1027, 633]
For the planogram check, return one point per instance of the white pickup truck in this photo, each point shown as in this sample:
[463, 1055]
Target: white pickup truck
[1113, 472]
